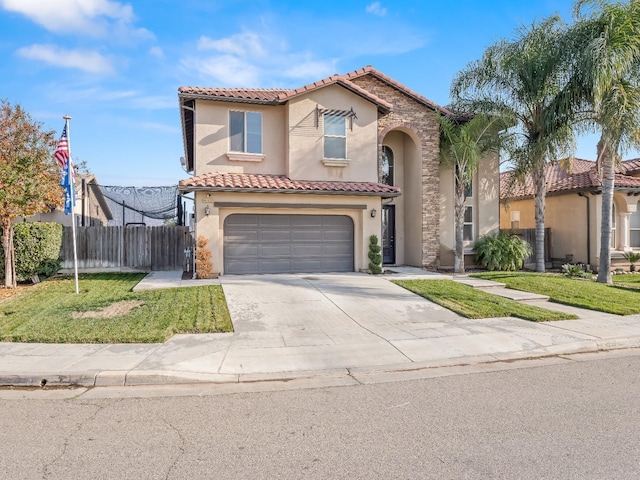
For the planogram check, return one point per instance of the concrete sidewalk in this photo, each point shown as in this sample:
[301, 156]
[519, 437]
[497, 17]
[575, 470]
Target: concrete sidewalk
[291, 326]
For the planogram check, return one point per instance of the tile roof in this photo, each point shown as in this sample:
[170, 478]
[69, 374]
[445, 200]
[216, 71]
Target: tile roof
[369, 70]
[234, 182]
[257, 95]
[275, 96]
[630, 167]
[581, 177]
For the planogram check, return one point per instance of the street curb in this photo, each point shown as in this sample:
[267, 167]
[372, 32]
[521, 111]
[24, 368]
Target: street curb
[108, 378]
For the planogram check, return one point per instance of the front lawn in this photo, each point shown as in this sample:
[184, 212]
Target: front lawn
[626, 279]
[473, 303]
[107, 311]
[616, 299]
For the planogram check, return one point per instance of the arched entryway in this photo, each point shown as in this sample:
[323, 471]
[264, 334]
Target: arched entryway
[401, 165]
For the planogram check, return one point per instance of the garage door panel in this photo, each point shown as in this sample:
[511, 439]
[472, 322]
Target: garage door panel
[274, 221]
[306, 236]
[288, 243]
[275, 236]
[275, 251]
[307, 250]
[242, 251]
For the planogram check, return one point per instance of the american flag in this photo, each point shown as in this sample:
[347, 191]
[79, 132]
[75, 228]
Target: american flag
[62, 150]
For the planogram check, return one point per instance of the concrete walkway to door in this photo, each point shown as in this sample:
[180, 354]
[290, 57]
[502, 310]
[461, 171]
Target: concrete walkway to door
[351, 326]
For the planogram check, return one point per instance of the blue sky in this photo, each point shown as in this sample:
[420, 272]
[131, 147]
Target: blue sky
[116, 66]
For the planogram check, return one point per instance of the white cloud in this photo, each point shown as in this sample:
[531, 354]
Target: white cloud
[225, 70]
[376, 8]
[156, 52]
[248, 59]
[85, 60]
[241, 44]
[92, 17]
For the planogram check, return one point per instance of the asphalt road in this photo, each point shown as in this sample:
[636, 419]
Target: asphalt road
[570, 420]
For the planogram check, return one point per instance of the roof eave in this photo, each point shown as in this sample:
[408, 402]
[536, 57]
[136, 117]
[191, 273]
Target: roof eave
[189, 189]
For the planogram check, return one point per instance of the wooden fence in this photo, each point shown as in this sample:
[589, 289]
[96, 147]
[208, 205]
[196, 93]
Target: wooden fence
[138, 247]
[529, 234]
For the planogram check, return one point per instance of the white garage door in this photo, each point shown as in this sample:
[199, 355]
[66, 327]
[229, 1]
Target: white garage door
[288, 244]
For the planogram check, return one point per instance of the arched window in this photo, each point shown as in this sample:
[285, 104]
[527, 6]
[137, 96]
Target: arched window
[387, 165]
[634, 228]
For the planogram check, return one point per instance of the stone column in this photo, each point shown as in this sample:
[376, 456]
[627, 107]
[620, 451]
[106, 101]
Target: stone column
[622, 231]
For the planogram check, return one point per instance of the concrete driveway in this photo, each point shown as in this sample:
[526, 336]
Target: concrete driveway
[311, 322]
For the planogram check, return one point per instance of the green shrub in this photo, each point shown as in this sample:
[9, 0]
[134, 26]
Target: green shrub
[37, 250]
[375, 264]
[575, 270]
[502, 251]
[632, 258]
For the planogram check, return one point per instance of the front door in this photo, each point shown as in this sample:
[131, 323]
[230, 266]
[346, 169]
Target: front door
[388, 234]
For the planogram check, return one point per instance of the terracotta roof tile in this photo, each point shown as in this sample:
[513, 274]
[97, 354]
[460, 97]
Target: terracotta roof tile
[630, 167]
[369, 70]
[582, 176]
[231, 182]
[258, 95]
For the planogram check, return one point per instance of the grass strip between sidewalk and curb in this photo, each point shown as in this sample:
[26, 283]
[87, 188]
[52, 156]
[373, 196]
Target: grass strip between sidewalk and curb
[617, 299]
[107, 311]
[473, 303]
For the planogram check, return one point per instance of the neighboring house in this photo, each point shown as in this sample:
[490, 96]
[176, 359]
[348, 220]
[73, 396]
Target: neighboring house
[91, 208]
[574, 210]
[298, 180]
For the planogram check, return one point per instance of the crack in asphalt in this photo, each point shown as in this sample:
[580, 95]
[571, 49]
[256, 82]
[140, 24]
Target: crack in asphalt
[181, 447]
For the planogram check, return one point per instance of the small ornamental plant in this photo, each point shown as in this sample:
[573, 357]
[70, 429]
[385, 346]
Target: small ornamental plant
[375, 257]
[632, 258]
[204, 266]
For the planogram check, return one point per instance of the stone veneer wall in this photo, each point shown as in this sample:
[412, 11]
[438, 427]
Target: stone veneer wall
[420, 119]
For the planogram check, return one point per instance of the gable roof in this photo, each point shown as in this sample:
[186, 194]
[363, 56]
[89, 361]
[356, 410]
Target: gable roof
[244, 182]
[369, 70]
[581, 177]
[275, 96]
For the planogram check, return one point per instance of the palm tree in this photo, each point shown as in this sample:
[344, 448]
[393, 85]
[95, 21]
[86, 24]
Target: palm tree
[609, 66]
[526, 82]
[463, 143]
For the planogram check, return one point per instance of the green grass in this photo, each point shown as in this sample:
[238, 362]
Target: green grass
[474, 303]
[629, 280]
[44, 312]
[617, 299]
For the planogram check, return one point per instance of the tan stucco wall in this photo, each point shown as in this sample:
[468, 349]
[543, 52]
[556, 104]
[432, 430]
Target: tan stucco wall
[485, 203]
[566, 216]
[212, 139]
[212, 226]
[306, 140]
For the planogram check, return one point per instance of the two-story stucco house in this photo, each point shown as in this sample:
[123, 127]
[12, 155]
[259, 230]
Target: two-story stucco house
[298, 180]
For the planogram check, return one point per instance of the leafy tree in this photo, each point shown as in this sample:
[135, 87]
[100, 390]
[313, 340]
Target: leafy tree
[463, 143]
[525, 81]
[608, 36]
[29, 178]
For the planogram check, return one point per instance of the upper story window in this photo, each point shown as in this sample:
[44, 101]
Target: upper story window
[387, 166]
[335, 136]
[468, 188]
[245, 132]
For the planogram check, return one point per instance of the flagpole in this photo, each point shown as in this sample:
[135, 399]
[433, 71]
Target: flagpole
[73, 204]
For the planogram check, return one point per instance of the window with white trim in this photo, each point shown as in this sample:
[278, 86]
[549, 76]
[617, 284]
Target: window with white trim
[245, 132]
[467, 226]
[634, 228]
[335, 136]
[387, 166]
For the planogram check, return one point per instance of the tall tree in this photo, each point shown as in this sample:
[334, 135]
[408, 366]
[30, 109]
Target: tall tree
[463, 143]
[608, 35]
[29, 178]
[525, 80]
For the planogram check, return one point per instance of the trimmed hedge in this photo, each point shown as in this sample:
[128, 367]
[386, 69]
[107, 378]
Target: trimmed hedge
[37, 249]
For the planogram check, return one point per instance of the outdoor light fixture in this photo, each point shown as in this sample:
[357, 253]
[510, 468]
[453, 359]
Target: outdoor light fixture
[207, 210]
[374, 212]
